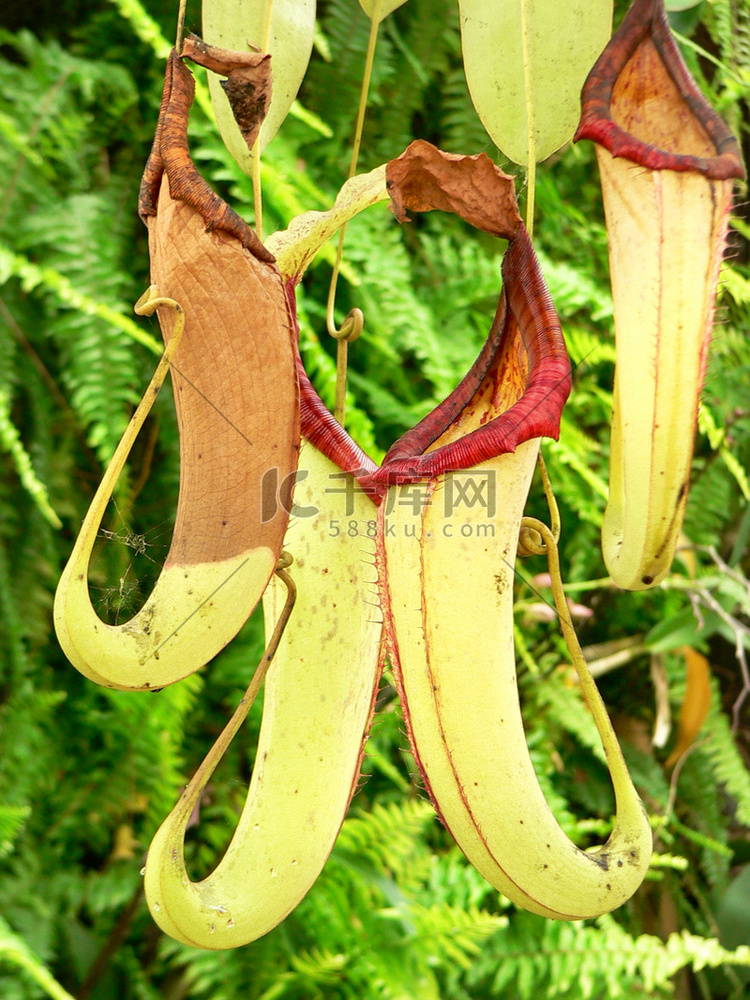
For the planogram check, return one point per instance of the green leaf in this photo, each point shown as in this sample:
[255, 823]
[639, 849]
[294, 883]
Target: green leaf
[525, 62]
[678, 5]
[385, 8]
[235, 24]
[683, 629]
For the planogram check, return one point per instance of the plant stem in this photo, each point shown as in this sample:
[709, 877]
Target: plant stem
[255, 153]
[350, 324]
[180, 26]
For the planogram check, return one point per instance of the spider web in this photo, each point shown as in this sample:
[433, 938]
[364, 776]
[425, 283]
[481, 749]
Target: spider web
[125, 565]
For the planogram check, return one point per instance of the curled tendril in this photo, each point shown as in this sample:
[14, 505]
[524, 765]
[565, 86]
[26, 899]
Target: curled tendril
[351, 329]
[536, 538]
[530, 539]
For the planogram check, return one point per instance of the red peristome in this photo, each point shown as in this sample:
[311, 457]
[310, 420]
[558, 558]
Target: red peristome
[646, 21]
[322, 429]
[537, 412]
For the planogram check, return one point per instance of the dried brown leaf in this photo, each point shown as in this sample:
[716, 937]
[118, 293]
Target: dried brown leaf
[425, 178]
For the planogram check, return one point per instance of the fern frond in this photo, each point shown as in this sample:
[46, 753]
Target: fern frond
[33, 277]
[573, 291]
[144, 26]
[575, 450]
[157, 721]
[710, 496]
[10, 441]
[450, 935]
[575, 961]
[12, 820]
[14, 951]
[387, 834]
[727, 762]
[310, 970]
[564, 703]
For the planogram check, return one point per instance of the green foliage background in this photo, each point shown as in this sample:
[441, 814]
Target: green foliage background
[87, 774]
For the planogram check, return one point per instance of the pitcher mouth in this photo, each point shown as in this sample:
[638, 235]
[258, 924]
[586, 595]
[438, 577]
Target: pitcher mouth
[703, 143]
[423, 179]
